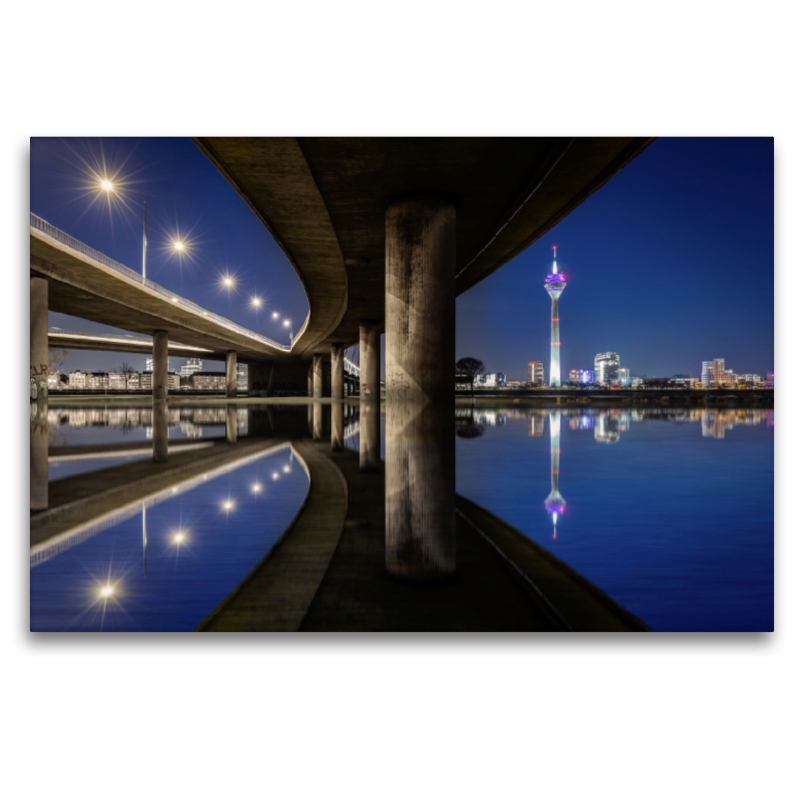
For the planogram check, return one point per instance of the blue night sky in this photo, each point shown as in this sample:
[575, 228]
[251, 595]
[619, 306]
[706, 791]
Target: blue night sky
[659, 262]
[669, 264]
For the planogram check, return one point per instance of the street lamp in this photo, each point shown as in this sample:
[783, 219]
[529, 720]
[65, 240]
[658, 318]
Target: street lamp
[289, 323]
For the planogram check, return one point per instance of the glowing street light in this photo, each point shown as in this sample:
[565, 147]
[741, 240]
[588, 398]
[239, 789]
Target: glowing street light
[177, 244]
[275, 315]
[179, 537]
[256, 302]
[106, 591]
[106, 185]
[286, 468]
[274, 476]
[228, 505]
[256, 488]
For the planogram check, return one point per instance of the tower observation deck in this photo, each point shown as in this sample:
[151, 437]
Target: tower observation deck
[554, 284]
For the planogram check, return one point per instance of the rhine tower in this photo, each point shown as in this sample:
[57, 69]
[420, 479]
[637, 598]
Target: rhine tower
[555, 283]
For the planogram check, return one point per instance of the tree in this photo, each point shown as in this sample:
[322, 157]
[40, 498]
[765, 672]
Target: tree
[470, 367]
[55, 358]
[125, 368]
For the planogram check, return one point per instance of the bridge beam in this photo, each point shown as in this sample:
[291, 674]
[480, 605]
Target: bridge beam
[317, 368]
[160, 362]
[230, 374]
[337, 371]
[420, 403]
[369, 342]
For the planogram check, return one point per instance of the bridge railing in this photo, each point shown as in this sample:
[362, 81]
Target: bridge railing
[64, 238]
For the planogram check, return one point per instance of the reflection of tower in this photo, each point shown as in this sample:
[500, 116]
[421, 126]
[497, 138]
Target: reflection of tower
[555, 283]
[555, 503]
[144, 538]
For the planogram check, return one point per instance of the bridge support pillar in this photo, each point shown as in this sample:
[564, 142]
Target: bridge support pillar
[160, 430]
[337, 371]
[420, 400]
[337, 425]
[311, 379]
[39, 372]
[317, 368]
[369, 346]
[160, 362]
[230, 374]
[230, 423]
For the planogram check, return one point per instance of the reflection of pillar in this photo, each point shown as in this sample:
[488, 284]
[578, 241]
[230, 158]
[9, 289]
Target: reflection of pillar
[369, 347]
[230, 423]
[369, 435]
[337, 425]
[160, 362]
[230, 374]
[39, 372]
[160, 431]
[337, 371]
[317, 423]
[317, 364]
[420, 401]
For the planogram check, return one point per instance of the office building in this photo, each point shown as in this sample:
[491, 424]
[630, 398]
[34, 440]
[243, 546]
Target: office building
[712, 373]
[241, 377]
[554, 284]
[491, 380]
[586, 376]
[624, 376]
[208, 381]
[606, 368]
[117, 380]
[191, 366]
[133, 382]
[536, 373]
[77, 380]
[574, 376]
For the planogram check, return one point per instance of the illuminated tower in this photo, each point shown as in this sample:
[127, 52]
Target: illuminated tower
[555, 283]
[555, 504]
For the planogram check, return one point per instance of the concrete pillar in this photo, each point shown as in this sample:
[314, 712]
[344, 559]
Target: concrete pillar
[317, 422]
[311, 379]
[369, 436]
[317, 364]
[160, 429]
[420, 398]
[230, 423]
[160, 361]
[369, 348]
[337, 371]
[337, 425]
[39, 372]
[230, 374]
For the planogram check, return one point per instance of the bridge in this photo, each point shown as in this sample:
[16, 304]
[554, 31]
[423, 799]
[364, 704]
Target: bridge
[383, 234]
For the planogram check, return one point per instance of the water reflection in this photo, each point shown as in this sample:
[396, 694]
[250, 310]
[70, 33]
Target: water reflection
[669, 520]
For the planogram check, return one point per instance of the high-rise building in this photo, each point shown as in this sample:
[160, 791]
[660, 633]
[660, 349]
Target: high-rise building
[148, 364]
[713, 372]
[574, 376]
[624, 376]
[191, 366]
[587, 376]
[554, 284]
[241, 376]
[606, 368]
[536, 373]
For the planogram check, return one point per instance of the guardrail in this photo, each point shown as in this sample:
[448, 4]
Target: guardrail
[64, 238]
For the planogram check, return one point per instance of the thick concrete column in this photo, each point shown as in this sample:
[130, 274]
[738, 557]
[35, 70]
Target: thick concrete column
[317, 365]
[39, 372]
[420, 398]
[230, 423]
[160, 361]
[337, 425]
[311, 379]
[317, 429]
[230, 374]
[160, 429]
[337, 371]
[369, 347]
[369, 436]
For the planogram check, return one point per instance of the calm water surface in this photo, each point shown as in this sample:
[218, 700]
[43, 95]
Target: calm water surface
[166, 566]
[669, 512]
